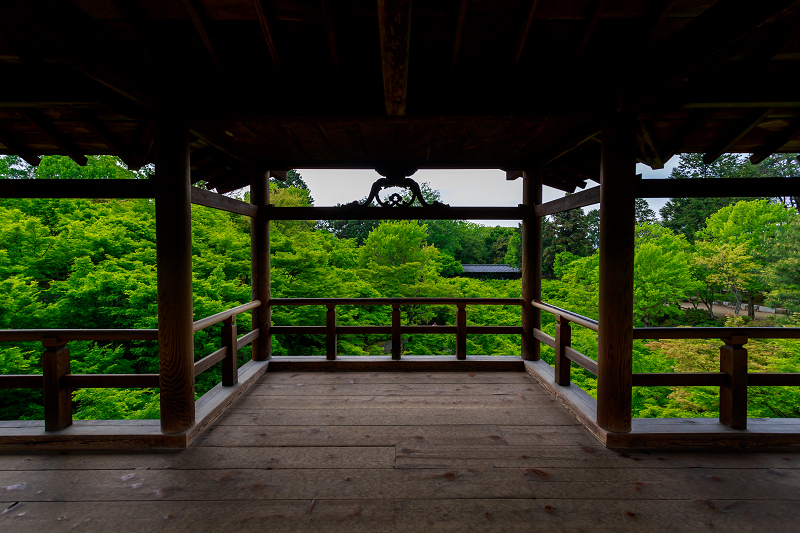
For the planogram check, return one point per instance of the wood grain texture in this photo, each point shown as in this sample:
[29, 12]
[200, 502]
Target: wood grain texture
[531, 263]
[57, 395]
[174, 275]
[260, 265]
[394, 24]
[617, 221]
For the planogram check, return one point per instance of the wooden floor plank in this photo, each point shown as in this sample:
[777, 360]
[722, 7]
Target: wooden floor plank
[532, 416]
[323, 435]
[370, 484]
[412, 515]
[321, 378]
[209, 458]
[398, 389]
[405, 402]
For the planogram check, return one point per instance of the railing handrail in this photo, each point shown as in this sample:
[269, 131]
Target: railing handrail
[716, 333]
[394, 301]
[209, 321]
[569, 315]
[79, 334]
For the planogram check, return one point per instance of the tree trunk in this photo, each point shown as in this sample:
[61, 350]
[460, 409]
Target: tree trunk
[751, 306]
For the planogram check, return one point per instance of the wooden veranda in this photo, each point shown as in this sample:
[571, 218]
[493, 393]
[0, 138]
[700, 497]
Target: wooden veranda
[557, 93]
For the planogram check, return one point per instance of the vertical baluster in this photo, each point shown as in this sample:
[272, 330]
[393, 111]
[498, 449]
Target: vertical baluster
[563, 340]
[397, 342]
[461, 331]
[330, 332]
[57, 397]
[230, 365]
[733, 394]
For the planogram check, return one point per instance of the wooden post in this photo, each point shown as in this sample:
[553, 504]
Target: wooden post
[259, 265]
[57, 397]
[563, 339]
[531, 263]
[330, 333]
[733, 394]
[617, 223]
[397, 341]
[230, 365]
[174, 274]
[461, 331]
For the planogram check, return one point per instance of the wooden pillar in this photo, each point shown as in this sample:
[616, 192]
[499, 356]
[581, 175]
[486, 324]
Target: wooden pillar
[733, 394]
[531, 263]
[230, 365]
[57, 397]
[397, 339]
[461, 331]
[174, 266]
[259, 265]
[617, 223]
[330, 332]
[563, 340]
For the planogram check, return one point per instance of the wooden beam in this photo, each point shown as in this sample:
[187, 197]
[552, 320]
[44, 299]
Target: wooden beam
[460, 19]
[647, 147]
[109, 138]
[735, 134]
[679, 379]
[17, 148]
[778, 141]
[395, 213]
[716, 187]
[597, 13]
[523, 35]
[327, 17]
[107, 381]
[200, 25]
[261, 15]
[77, 188]
[531, 263]
[58, 138]
[68, 33]
[615, 324]
[696, 122]
[139, 24]
[174, 275]
[260, 271]
[570, 201]
[657, 17]
[712, 38]
[394, 24]
[224, 147]
[578, 138]
[142, 145]
[222, 202]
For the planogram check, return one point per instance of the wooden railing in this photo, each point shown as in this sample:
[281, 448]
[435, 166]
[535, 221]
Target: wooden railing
[57, 382]
[733, 377]
[331, 330]
[562, 343]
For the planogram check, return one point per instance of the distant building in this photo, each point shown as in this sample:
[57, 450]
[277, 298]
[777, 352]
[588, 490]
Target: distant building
[492, 271]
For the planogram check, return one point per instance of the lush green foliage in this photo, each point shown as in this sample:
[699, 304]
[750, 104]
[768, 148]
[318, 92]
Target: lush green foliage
[91, 264]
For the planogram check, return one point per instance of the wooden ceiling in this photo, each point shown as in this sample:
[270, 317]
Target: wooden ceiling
[375, 83]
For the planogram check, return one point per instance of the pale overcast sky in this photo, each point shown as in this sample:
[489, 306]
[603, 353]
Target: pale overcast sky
[457, 187]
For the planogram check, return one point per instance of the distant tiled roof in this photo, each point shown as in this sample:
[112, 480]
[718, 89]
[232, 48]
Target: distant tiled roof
[493, 269]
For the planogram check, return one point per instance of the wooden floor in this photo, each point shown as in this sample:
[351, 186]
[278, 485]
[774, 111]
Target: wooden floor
[399, 451]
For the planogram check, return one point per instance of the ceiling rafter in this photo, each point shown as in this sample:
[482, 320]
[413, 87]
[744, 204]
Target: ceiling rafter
[523, 34]
[8, 140]
[60, 140]
[266, 30]
[110, 139]
[200, 24]
[697, 121]
[712, 38]
[394, 24]
[597, 13]
[778, 141]
[460, 19]
[735, 134]
[327, 17]
[136, 20]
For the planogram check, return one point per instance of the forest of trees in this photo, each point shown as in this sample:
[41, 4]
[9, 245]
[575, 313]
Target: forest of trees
[91, 264]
